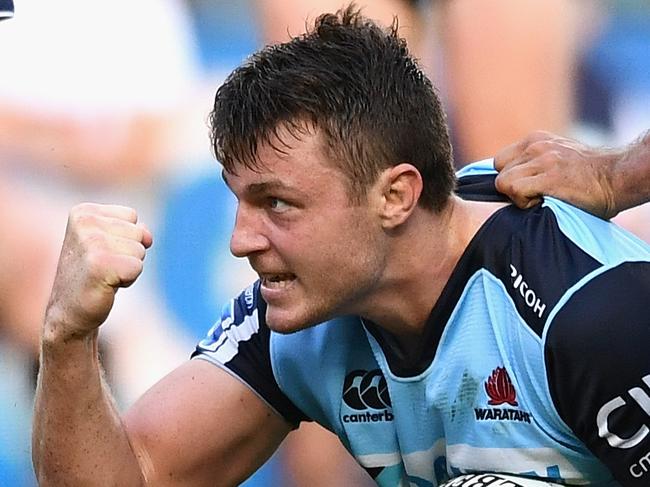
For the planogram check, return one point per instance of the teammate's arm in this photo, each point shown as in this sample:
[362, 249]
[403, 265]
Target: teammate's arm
[600, 180]
[198, 426]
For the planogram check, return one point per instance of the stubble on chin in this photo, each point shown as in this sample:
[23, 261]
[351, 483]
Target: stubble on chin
[287, 323]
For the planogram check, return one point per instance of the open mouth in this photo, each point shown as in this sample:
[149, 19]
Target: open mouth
[277, 281]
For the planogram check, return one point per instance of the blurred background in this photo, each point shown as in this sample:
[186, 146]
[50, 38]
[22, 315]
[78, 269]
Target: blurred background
[108, 101]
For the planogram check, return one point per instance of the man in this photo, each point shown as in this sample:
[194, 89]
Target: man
[433, 335]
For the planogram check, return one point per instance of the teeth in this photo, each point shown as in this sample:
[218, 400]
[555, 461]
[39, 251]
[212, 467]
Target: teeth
[278, 281]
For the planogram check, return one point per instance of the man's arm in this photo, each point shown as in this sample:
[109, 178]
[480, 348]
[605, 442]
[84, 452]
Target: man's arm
[201, 426]
[600, 180]
[198, 426]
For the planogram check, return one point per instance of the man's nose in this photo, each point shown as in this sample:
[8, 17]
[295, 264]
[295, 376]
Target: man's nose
[247, 237]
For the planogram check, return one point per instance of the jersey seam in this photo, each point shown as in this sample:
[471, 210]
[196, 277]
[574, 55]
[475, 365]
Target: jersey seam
[213, 361]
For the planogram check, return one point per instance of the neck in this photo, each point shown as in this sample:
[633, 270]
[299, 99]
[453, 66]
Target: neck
[420, 262]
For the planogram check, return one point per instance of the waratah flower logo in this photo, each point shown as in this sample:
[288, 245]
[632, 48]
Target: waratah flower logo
[500, 389]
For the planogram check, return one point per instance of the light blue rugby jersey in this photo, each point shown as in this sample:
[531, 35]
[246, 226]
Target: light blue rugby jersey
[534, 360]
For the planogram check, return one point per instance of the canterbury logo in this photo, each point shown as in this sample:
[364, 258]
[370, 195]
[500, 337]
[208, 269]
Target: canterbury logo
[500, 389]
[366, 389]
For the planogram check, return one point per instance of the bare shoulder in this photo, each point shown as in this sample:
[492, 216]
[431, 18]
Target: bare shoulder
[199, 424]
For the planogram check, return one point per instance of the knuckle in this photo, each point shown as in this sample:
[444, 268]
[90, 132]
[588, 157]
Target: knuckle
[540, 135]
[132, 269]
[127, 213]
[505, 184]
[84, 209]
[501, 182]
[130, 214]
[138, 251]
[92, 239]
[75, 213]
[541, 147]
[86, 219]
[94, 263]
[550, 157]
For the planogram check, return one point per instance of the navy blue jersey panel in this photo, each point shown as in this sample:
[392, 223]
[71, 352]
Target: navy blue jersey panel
[599, 369]
[243, 326]
[479, 188]
[541, 265]
[526, 250]
[537, 264]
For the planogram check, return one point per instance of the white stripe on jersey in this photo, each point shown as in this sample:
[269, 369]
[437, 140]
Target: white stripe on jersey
[466, 457]
[379, 459]
[227, 345]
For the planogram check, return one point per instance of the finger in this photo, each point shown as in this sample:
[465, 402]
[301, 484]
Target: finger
[117, 227]
[509, 179]
[147, 237]
[125, 269]
[517, 153]
[506, 156]
[524, 192]
[126, 247]
[111, 211]
[133, 231]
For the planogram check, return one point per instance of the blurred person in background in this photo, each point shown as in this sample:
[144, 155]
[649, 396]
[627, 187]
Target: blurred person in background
[91, 94]
[491, 58]
[613, 93]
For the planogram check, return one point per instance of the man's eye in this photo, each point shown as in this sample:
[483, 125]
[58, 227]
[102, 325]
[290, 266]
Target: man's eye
[278, 205]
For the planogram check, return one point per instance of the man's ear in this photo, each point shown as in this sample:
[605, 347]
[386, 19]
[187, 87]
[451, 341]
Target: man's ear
[401, 187]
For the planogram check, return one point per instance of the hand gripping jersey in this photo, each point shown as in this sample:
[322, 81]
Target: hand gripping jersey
[535, 360]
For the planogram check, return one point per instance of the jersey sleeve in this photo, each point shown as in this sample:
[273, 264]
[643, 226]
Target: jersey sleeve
[597, 355]
[239, 342]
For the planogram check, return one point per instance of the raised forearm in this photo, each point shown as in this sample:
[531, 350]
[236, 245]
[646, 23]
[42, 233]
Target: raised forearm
[78, 437]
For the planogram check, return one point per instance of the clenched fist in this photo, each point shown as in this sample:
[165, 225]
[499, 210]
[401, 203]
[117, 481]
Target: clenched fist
[103, 250]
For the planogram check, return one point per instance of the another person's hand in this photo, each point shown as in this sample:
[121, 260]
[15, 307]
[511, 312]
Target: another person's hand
[103, 250]
[547, 164]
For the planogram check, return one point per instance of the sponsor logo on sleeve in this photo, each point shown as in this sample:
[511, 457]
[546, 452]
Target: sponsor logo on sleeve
[366, 393]
[501, 391]
[616, 439]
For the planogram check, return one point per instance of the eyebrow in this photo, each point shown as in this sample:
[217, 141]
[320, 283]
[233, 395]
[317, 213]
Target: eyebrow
[263, 187]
